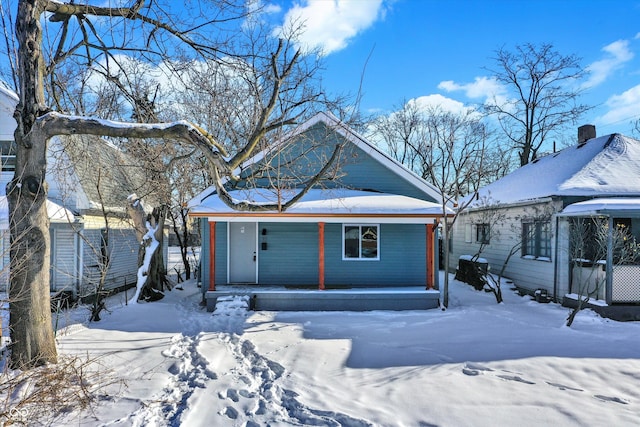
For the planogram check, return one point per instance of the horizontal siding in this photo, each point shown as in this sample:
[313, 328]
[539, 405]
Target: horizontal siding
[64, 259]
[402, 258]
[123, 256]
[221, 254]
[355, 168]
[291, 257]
[4, 260]
[529, 274]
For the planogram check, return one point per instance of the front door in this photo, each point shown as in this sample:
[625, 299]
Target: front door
[242, 252]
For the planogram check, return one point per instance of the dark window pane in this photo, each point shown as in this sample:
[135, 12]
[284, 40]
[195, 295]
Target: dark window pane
[370, 242]
[351, 242]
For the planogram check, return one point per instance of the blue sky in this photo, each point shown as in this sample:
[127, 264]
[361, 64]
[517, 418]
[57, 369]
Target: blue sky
[437, 50]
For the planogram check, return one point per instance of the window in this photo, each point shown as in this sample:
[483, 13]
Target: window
[467, 232]
[361, 242]
[536, 239]
[482, 233]
[8, 155]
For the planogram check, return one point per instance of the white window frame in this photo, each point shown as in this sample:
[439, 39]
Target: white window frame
[360, 258]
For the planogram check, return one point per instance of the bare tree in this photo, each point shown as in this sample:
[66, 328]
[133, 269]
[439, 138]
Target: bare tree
[284, 99]
[542, 99]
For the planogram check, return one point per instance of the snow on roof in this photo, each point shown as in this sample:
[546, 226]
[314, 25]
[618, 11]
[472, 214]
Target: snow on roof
[604, 166]
[318, 202]
[55, 212]
[603, 206]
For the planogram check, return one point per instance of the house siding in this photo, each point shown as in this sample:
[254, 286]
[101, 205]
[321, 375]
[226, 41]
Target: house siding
[355, 168]
[402, 258]
[64, 259]
[528, 274]
[4, 260]
[221, 254]
[294, 248]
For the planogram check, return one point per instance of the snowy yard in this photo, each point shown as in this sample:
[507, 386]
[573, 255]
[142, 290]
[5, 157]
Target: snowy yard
[476, 364]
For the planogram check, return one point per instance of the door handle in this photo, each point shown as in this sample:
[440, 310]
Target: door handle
[254, 256]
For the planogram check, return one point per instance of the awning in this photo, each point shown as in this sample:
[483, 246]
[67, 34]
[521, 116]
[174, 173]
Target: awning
[616, 206]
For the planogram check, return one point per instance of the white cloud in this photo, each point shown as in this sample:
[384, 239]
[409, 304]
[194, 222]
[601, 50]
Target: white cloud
[440, 102]
[623, 108]
[617, 54]
[329, 25]
[486, 89]
[481, 88]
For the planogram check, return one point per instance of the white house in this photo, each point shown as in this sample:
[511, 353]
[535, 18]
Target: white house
[89, 181]
[529, 211]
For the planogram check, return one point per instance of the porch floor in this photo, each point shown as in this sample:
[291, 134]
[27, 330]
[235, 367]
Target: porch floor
[308, 298]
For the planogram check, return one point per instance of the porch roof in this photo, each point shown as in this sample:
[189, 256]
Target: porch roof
[628, 206]
[328, 205]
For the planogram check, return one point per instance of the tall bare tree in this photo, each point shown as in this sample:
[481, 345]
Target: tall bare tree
[73, 35]
[543, 96]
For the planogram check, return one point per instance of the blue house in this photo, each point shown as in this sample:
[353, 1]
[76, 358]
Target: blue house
[368, 223]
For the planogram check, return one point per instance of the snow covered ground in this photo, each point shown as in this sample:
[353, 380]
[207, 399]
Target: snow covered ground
[476, 364]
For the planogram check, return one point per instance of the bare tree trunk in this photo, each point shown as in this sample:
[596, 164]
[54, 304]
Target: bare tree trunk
[155, 272]
[32, 336]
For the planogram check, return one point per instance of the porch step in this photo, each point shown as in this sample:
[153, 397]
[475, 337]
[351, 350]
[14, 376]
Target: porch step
[231, 303]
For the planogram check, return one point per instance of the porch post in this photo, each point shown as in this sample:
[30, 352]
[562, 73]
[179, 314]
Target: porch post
[321, 256]
[212, 256]
[430, 256]
[608, 292]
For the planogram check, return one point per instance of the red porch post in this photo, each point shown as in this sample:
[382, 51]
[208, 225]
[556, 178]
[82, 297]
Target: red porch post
[321, 256]
[430, 256]
[212, 256]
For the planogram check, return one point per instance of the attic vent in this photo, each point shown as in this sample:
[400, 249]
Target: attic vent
[585, 133]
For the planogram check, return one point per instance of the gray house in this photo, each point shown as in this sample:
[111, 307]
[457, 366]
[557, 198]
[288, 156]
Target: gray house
[535, 212]
[369, 222]
[89, 181]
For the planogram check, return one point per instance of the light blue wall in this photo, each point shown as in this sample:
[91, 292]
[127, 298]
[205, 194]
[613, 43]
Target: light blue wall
[291, 257]
[354, 169]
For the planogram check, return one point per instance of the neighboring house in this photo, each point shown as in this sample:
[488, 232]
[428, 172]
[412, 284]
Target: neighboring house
[369, 223]
[531, 210]
[89, 180]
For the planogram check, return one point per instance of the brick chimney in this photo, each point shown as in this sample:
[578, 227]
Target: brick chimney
[585, 133]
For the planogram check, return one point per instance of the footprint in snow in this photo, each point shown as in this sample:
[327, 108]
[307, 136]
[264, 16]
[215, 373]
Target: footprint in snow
[515, 378]
[473, 370]
[564, 387]
[611, 399]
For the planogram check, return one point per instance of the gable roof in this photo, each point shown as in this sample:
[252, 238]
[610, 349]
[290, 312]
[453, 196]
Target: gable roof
[604, 166]
[333, 123]
[90, 172]
[77, 164]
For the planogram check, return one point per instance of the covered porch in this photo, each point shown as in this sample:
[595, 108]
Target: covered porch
[605, 257]
[333, 250]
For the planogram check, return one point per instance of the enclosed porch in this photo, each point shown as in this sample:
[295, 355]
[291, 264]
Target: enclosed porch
[604, 251]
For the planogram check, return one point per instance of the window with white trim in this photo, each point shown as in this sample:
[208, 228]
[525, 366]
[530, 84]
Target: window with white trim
[360, 242]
